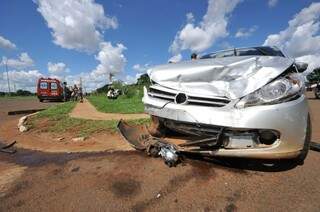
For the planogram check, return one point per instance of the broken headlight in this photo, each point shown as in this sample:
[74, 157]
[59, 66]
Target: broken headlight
[280, 90]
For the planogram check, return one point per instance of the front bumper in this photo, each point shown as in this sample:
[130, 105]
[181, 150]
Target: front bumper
[290, 119]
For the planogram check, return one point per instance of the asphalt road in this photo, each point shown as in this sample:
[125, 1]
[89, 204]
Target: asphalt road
[22, 103]
[131, 181]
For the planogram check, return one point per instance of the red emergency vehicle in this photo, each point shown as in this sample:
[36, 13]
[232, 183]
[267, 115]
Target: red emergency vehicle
[49, 89]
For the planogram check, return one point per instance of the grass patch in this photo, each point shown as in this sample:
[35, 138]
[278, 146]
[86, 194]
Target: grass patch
[58, 121]
[123, 104]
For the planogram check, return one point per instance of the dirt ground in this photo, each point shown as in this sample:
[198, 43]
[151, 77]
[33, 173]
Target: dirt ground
[88, 111]
[32, 180]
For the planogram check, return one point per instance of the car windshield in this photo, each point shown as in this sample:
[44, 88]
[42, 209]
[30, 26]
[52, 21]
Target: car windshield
[43, 85]
[54, 86]
[254, 51]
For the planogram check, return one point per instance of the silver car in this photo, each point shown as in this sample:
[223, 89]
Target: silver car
[242, 102]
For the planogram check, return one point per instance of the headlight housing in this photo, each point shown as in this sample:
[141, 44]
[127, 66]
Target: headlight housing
[280, 90]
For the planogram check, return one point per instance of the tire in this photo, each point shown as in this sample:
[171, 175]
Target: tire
[157, 127]
[317, 93]
[304, 152]
[40, 100]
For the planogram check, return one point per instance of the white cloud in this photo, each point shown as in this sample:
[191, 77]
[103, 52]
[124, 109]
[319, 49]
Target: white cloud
[246, 32]
[111, 59]
[199, 37]
[89, 83]
[22, 62]
[301, 39]
[6, 44]
[226, 45]
[58, 69]
[141, 68]
[20, 79]
[272, 3]
[76, 24]
[176, 58]
[131, 79]
[190, 17]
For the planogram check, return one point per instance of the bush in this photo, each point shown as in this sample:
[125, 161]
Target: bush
[130, 92]
[314, 76]
[23, 93]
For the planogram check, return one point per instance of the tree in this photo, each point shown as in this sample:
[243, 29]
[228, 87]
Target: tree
[314, 76]
[23, 93]
[144, 80]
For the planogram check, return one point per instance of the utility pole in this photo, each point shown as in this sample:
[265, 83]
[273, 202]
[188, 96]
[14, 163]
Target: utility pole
[80, 84]
[84, 87]
[8, 77]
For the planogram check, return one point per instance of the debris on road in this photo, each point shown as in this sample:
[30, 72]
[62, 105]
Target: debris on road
[78, 139]
[8, 148]
[169, 154]
[141, 140]
[21, 124]
[60, 139]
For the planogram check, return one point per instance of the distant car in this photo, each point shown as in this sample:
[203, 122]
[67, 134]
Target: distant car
[113, 93]
[49, 89]
[242, 102]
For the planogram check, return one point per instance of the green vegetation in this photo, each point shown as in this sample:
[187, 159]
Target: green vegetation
[18, 93]
[129, 102]
[57, 120]
[124, 104]
[57, 112]
[143, 80]
[314, 76]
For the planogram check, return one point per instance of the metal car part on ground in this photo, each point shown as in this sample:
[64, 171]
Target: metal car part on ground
[8, 148]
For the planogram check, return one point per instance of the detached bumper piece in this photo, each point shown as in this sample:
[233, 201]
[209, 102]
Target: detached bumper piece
[8, 148]
[140, 138]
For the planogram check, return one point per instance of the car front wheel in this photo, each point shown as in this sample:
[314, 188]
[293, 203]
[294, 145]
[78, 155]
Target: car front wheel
[317, 93]
[304, 152]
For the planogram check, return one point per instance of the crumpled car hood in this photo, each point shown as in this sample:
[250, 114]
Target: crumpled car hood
[232, 77]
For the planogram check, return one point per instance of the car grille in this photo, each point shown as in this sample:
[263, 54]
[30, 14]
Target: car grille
[170, 95]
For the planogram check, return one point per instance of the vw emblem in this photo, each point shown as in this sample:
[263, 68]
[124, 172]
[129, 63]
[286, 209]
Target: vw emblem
[181, 98]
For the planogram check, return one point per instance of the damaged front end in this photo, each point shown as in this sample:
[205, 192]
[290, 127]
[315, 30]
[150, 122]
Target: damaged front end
[239, 106]
[200, 139]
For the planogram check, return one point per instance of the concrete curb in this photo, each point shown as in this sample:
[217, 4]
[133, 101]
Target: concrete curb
[23, 121]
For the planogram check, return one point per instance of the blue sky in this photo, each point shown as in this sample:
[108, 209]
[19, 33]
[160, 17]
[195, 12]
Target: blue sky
[145, 28]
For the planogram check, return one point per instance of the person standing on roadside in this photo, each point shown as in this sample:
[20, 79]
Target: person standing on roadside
[64, 86]
[80, 94]
[75, 91]
[194, 56]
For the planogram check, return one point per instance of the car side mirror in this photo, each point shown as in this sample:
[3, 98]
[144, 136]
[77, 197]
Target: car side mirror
[301, 66]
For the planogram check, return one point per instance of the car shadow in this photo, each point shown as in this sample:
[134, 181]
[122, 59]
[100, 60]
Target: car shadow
[245, 164]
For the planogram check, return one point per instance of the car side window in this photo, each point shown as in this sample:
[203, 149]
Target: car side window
[224, 54]
[54, 86]
[43, 85]
[248, 52]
